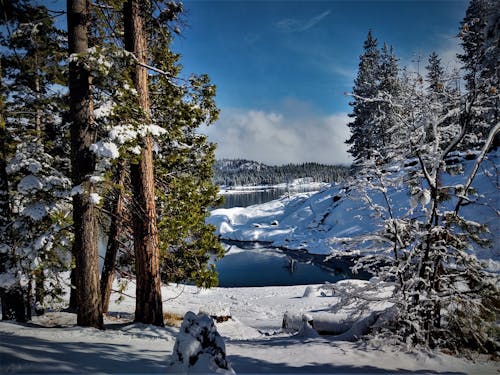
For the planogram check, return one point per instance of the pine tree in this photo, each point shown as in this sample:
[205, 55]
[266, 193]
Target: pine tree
[364, 106]
[147, 256]
[388, 92]
[35, 243]
[479, 35]
[441, 289]
[83, 135]
[435, 74]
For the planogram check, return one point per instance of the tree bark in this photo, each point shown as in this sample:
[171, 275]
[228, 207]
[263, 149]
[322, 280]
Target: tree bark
[148, 291]
[115, 229]
[83, 135]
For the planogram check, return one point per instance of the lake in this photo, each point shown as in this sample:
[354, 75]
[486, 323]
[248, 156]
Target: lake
[250, 264]
[248, 198]
[254, 265]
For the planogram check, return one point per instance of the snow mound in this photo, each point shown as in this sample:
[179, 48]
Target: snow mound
[199, 347]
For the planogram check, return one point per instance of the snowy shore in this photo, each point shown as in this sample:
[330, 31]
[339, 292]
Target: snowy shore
[255, 342]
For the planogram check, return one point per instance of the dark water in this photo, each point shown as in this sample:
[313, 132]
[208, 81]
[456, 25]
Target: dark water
[261, 266]
[258, 197]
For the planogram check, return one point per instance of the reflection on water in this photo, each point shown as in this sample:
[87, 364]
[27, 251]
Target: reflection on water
[262, 266]
[245, 199]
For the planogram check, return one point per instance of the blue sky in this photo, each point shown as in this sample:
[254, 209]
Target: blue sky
[282, 67]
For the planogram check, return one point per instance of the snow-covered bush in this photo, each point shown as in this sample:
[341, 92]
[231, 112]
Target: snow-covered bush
[199, 347]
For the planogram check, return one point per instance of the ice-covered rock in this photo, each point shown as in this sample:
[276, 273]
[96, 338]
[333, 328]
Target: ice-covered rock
[199, 348]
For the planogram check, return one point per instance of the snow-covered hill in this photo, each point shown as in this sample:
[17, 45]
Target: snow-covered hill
[330, 220]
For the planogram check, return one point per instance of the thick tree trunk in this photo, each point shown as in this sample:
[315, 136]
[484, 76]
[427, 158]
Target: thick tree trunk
[115, 229]
[148, 293]
[83, 134]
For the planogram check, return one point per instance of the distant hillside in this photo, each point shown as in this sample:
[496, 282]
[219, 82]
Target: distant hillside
[235, 172]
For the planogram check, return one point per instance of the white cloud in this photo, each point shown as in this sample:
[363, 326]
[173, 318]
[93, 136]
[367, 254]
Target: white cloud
[294, 134]
[290, 25]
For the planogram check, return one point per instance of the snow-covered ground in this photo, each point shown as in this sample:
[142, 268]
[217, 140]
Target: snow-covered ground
[327, 221]
[255, 342]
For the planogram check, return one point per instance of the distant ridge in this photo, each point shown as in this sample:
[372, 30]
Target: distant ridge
[237, 172]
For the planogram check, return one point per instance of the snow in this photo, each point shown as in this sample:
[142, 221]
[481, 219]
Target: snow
[107, 150]
[78, 189]
[36, 211]
[94, 198]
[331, 220]
[29, 184]
[253, 337]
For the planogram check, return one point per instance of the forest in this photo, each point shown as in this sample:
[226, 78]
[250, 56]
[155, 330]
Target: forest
[238, 172]
[100, 138]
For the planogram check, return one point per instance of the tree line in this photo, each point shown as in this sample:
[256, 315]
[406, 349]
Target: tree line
[423, 130]
[238, 172]
[99, 138]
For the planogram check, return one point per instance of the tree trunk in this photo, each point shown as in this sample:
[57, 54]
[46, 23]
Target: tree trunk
[39, 293]
[108, 269]
[148, 292]
[83, 134]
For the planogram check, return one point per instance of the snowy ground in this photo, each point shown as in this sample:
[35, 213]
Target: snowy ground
[327, 221]
[254, 340]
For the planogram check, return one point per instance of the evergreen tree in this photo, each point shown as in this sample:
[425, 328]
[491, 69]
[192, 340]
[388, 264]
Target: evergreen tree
[479, 35]
[83, 135]
[147, 256]
[444, 297]
[388, 92]
[34, 167]
[435, 74]
[364, 104]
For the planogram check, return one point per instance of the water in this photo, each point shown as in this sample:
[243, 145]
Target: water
[245, 199]
[260, 266]
[253, 264]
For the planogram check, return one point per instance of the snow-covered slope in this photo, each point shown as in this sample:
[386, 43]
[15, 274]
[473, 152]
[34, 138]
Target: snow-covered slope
[328, 221]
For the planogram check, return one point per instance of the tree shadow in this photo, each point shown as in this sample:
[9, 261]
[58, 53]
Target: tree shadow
[28, 354]
[246, 365]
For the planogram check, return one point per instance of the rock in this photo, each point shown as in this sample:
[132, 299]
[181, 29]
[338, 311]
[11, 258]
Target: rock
[199, 347]
[309, 292]
[307, 330]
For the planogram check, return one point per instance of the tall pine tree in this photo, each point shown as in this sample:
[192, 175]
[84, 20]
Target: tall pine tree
[364, 105]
